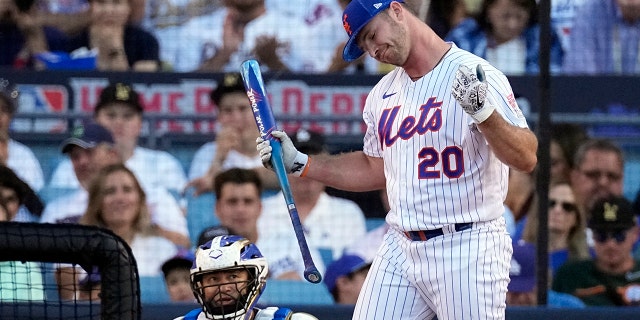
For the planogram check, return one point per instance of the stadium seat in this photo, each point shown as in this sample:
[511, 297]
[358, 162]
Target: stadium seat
[327, 255]
[373, 223]
[284, 293]
[48, 193]
[48, 155]
[153, 290]
[200, 214]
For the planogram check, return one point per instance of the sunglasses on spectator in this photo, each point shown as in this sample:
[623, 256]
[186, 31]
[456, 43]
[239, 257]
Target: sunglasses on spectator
[566, 206]
[596, 175]
[603, 236]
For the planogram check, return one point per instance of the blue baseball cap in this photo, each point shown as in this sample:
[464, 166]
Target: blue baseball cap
[346, 265]
[87, 137]
[523, 268]
[356, 15]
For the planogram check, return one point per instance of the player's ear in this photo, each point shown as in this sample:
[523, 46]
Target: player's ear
[396, 10]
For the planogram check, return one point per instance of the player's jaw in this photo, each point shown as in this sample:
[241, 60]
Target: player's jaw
[392, 51]
[382, 54]
[387, 53]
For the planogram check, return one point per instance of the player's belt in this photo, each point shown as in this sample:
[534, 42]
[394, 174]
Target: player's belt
[428, 234]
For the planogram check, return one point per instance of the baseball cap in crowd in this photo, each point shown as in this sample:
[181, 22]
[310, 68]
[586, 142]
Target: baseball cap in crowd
[308, 141]
[87, 136]
[183, 259]
[119, 93]
[612, 213]
[211, 232]
[344, 266]
[231, 82]
[522, 270]
[356, 15]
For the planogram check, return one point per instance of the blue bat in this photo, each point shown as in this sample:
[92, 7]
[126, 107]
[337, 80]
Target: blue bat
[252, 79]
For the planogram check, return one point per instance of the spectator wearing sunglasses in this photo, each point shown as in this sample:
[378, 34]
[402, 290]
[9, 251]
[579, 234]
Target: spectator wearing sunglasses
[567, 226]
[612, 277]
[598, 172]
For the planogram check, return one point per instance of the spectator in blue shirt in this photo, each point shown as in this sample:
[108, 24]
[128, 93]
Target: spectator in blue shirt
[605, 38]
[522, 287]
[506, 33]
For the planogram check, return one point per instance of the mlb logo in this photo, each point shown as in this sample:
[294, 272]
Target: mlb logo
[44, 99]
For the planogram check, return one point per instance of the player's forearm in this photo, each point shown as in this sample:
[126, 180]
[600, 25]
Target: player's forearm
[352, 171]
[513, 145]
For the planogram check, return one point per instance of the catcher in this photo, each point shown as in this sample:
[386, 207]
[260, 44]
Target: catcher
[227, 278]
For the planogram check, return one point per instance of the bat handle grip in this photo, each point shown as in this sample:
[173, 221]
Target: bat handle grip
[277, 162]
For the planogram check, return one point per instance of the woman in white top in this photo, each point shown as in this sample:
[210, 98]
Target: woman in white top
[118, 203]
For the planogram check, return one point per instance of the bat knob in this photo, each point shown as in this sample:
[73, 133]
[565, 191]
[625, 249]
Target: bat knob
[313, 276]
[480, 73]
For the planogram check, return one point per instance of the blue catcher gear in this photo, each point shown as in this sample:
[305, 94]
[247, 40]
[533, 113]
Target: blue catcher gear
[228, 276]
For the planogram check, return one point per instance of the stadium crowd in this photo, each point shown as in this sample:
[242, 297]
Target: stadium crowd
[217, 36]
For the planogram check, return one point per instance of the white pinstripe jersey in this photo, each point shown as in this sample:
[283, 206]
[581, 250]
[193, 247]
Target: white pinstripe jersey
[438, 166]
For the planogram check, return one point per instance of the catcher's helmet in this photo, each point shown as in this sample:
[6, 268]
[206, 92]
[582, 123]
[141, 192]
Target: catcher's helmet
[218, 277]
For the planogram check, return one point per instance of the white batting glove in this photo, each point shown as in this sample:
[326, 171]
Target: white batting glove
[470, 89]
[295, 162]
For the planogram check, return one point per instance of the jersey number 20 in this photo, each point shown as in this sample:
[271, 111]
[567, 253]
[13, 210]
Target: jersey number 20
[450, 159]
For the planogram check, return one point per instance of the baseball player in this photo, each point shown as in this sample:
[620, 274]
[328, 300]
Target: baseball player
[443, 128]
[227, 278]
